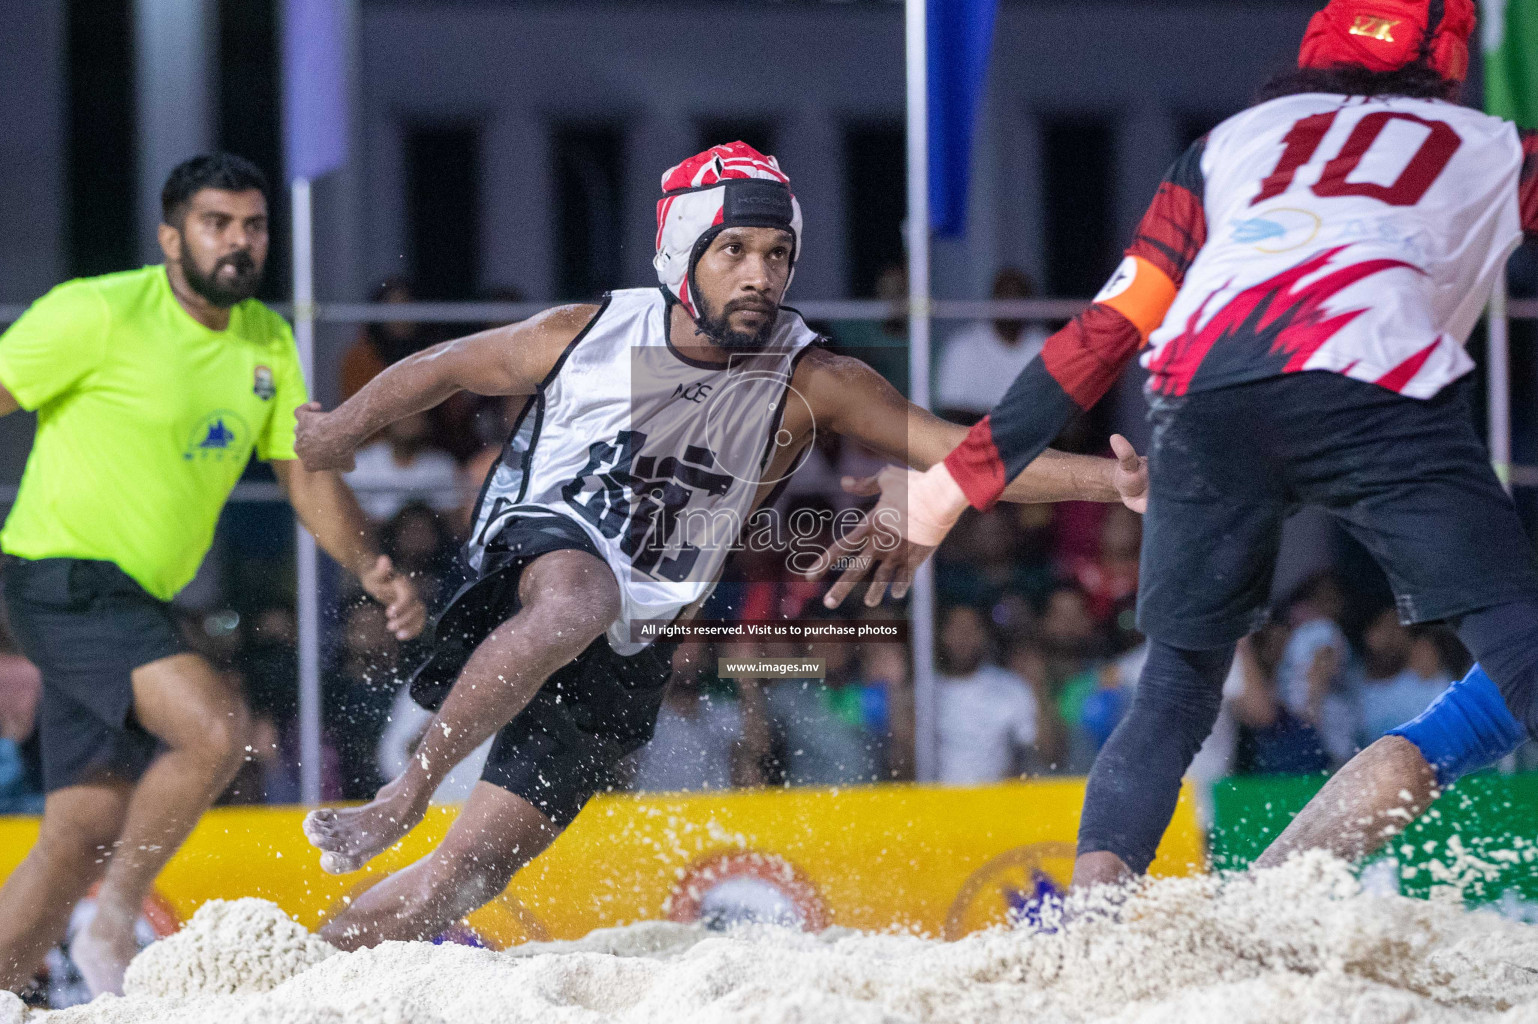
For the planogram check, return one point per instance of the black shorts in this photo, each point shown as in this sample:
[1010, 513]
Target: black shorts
[1408, 478]
[563, 746]
[87, 625]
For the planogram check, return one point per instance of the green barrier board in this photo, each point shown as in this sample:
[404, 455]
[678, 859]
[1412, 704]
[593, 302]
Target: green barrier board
[1481, 836]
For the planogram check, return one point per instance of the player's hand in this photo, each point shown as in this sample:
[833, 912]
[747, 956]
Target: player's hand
[881, 543]
[405, 613]
[319, 440]
[1131, 474]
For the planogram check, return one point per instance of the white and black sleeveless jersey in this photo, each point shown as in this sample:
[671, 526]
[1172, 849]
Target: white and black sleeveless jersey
[658, 457]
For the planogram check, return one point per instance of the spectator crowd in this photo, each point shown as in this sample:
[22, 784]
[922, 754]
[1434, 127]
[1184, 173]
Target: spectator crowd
[1037, 654]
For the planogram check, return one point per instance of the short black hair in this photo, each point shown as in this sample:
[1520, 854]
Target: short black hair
[224, 171]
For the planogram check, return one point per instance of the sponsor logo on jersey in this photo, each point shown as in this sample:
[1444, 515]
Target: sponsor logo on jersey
[696, 392]
[263, 386]
[220, 435]
[1281, 229]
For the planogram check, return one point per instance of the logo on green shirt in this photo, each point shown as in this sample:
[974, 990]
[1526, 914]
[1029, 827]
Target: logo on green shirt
[145, 421]
[219, 434]
[264, 386]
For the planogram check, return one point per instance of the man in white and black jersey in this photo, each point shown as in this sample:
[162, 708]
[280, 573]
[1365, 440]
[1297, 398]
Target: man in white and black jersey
[1301, 290]
[655, 424]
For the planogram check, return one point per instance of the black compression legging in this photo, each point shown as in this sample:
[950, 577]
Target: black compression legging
[1135, 782]
[1136, 779]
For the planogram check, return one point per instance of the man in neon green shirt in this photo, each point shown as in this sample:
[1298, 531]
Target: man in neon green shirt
[152, 390]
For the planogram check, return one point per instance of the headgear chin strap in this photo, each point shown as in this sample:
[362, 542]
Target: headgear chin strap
[726, 186]
[1385, 35]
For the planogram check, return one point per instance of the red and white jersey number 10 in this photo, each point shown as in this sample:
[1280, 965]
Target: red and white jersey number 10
[1302, 140]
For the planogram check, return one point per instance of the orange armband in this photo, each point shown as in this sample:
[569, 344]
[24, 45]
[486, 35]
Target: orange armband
[1141, 292]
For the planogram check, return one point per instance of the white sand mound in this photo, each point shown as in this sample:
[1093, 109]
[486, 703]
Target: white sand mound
[654, 939]
[229, 947]
[1299, 944]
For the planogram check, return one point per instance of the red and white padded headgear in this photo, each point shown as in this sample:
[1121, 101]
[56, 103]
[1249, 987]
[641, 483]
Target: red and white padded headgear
[1385, 35]
[724, 187]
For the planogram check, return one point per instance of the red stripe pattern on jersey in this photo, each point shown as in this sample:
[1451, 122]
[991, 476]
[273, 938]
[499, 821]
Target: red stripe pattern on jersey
[1276, 324]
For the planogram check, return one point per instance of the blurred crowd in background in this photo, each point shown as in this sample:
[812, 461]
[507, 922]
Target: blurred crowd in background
[1036, 644]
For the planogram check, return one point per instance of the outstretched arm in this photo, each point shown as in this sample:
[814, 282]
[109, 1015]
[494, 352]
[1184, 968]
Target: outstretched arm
[510, 360]
[1080, 363]
[854, 401]
[917, 509]
[1077, 366]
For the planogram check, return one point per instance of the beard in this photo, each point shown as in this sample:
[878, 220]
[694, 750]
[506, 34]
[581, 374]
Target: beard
[248, 277]
[717, 325]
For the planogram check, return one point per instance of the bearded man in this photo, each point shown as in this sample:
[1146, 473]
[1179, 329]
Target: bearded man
[152, 389]
[655, 423]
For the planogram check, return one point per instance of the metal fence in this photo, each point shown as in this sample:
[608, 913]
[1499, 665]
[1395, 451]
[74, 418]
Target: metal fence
[480, 313]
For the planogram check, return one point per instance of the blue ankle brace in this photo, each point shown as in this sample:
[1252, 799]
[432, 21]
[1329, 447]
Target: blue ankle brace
[1465, 729]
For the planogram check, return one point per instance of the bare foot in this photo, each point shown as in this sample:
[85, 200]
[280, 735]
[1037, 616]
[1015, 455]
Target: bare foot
[350, 837]
[102, 950]
[1099, 867]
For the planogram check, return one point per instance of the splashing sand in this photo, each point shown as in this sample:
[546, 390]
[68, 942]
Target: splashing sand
[1302, 943]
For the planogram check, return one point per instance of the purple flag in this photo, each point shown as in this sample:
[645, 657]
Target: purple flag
[315, 121]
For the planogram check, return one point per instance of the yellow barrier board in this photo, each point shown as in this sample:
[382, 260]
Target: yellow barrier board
[941, 861]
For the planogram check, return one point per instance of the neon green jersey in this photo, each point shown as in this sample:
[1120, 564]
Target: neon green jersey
[145, 421]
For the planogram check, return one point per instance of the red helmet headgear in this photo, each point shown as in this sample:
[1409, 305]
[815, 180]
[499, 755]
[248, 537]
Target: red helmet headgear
[1385, 35]
[726, 186]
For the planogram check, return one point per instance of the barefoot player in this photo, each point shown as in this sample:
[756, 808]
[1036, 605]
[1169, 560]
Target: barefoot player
[656, 423]
[1306, 279]
[152, 389]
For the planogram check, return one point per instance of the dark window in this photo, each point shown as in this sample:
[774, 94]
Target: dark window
[757, 133]
[443, 196]
[875, 203]
[101, 156]
[1077, 168]
[250, 116]
[589, 177]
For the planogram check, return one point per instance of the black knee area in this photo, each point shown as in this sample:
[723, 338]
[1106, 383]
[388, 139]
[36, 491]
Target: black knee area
[1135, 782]
[1504, 640]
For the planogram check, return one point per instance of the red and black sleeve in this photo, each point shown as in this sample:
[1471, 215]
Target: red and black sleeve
[1079, 363]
